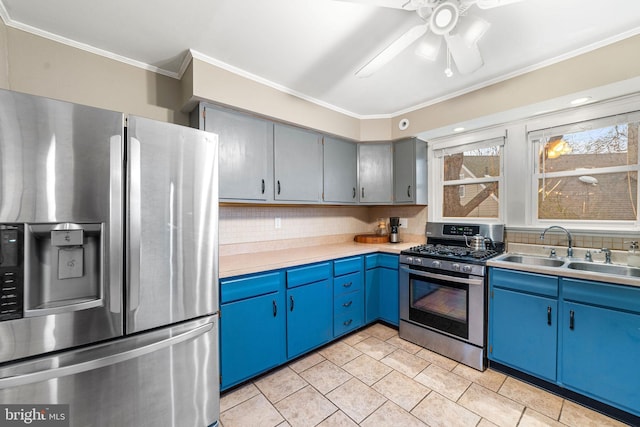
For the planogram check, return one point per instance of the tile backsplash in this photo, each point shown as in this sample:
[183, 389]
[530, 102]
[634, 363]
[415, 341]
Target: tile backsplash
[241, 225]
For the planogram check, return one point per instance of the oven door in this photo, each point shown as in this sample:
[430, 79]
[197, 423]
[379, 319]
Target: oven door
[451, 303]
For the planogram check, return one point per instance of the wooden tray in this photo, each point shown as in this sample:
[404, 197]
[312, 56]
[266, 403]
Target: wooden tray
[371, 238]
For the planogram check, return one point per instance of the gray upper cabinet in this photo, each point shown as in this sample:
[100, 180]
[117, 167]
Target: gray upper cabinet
[298, 165]
[375, 173]
[410, 171]
[340, 171]
[245, 152]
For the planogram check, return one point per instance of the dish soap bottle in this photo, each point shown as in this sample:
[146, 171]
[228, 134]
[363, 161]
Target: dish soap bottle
[633, 258]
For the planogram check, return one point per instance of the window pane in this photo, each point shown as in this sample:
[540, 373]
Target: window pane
[478, 163]
[471, 201]
[597, 148]
[599, 197]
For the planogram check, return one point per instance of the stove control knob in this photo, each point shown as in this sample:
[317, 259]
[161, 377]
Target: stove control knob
[435, 264]
[417, 261]
[409, 259]
[467, 268]
[455, 267]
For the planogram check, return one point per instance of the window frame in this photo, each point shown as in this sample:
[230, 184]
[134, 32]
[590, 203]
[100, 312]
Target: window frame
[439, 148]
[534, 140]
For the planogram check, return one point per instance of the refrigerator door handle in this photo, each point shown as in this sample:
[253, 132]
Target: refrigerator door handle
[115, 233]
[135, 224]
[113, 356]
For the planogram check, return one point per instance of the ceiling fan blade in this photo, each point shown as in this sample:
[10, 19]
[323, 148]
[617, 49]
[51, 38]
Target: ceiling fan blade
[467, 57]
[392, 4]
[490, 4]
[392, 50]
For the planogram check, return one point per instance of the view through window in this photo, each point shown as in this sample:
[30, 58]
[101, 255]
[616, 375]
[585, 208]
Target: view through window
[588, 172]
[472, 178]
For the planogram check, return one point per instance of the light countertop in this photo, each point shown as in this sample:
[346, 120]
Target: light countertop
[235, 265]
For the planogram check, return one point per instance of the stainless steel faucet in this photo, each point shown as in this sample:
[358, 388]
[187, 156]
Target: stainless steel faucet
[607, 255]
[569, 238]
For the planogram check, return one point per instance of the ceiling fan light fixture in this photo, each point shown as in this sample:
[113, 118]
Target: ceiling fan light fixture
[444, 18]
[471, 29]
[429, 47]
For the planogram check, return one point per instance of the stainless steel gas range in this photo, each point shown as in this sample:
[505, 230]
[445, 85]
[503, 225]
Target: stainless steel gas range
[443, 290]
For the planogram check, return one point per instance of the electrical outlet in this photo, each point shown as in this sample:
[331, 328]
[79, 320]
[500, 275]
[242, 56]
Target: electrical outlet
[278, 223]
[404, 222]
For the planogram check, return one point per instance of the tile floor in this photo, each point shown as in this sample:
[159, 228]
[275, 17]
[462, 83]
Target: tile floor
[375, 378]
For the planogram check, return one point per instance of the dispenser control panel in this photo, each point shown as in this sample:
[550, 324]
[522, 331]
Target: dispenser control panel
[11, 280]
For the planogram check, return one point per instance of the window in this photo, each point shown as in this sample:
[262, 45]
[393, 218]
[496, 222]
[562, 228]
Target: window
[588, 171]
[471, 177]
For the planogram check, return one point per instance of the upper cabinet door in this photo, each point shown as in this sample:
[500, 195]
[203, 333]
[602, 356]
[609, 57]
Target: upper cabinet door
[410, 171]
[246, 154]
[298, 164]
[340, 171]
[375, 169]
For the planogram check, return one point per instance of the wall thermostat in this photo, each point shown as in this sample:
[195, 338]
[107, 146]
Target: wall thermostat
[403, 124]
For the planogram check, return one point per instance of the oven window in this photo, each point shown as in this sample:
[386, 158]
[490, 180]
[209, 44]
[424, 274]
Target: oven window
[440, 305]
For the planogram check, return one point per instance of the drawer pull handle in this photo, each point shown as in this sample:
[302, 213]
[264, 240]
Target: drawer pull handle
[409, 191]
[347, 285]
[263, 186]
[275, 308]
[291, 303]
[347, 322]
[278, 186]
[354, 192]
[571, 320]
[549, 315]
[363, 192]
[347, 304]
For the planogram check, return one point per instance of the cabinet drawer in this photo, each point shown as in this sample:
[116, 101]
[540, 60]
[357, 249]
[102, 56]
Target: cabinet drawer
[234, 289]
[381, 260]
[349, 283]
[346, 323]
[309, 274]
[347, 265]
[602, 294]
[525, 282]
[348, 303]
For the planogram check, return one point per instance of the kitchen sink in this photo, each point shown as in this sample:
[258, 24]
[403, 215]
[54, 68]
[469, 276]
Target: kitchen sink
[533, 260]
[619, 270]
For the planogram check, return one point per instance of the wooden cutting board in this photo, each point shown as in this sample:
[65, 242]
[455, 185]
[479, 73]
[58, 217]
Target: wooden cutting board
[371, 238]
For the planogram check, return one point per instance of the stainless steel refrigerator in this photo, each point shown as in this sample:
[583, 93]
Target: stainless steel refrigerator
[108, 266]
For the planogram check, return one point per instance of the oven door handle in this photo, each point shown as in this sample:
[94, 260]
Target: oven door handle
[472, 280]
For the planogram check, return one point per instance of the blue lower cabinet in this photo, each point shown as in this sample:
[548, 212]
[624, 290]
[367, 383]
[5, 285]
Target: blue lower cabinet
[252, 327]
[522, 325]
[600, 348]
[348, 295]
[381, 288]
[309, 317]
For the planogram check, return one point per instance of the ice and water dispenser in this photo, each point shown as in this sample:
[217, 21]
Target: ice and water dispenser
[49, 268]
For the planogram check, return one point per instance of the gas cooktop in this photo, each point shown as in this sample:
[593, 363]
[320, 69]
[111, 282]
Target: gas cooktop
[450, 252]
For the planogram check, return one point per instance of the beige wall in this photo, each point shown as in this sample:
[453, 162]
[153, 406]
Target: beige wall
[226, 88]
[609, 64]
[4, 64]
[43, 67]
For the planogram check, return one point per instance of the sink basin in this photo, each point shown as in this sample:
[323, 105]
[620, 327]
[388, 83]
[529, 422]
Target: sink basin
[619, 270]
[533, 260]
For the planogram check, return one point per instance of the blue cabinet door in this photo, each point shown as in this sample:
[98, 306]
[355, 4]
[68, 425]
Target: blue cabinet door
[600, 354]
[372, 295]
[389, 309]
[309, 317]
[523, 332]
[252, 337]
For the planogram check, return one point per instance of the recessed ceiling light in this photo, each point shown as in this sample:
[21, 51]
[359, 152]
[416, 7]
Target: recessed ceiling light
[582, 100]
[459, 129]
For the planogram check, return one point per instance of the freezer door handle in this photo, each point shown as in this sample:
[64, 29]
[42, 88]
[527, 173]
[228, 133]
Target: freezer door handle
[110, 356]
[115, 230]
[135, 224]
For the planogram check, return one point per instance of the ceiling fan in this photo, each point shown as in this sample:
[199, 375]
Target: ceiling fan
[442, 19]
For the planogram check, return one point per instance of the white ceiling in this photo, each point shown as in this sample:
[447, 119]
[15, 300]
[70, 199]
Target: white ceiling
[313, 47]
